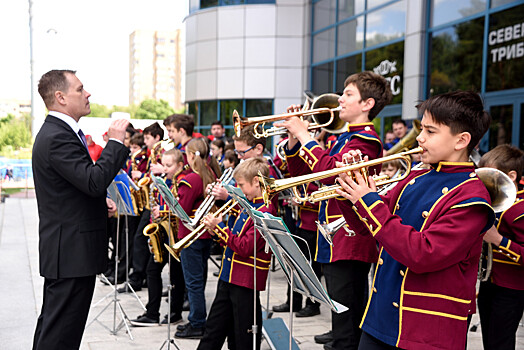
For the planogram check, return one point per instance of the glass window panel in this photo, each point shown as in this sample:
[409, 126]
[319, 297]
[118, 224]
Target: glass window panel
[231, 2]
[208, 112]
[505, 50]
[495, 3]
[346, 67]
[445, 11]
[348, 8]
[374, 3]
[350, 36]
[501, 126]
[324, 45]
[322, 79]
[256, 108]
[520, 142]
[192, 108]
[388, 61]
[386, 24]
[456, 58]
[208, 3]
[324, 14]
[226, 110]
[194, 5]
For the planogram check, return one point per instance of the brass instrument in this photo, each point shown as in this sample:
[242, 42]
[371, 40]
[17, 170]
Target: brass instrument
[159, 228]
[503, 194]
[136, 195]
[185, 242]
[272, 186]
[209, 201]
[324, 114]
[407, 141]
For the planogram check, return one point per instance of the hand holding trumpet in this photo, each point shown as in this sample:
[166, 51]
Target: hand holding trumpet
[354, 186]
[211, 222]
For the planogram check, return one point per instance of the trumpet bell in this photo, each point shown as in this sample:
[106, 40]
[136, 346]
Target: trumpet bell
[502, 190]
[329, 100]
[407, 141]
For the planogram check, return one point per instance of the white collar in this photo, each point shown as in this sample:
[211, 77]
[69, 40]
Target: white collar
[66, 119]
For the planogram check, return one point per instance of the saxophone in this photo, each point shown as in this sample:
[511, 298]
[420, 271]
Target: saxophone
[136, 194]
[159, 228]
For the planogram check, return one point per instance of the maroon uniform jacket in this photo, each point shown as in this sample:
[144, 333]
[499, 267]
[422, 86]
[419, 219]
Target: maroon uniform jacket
[508, 266]
[429, 228]
[237, 260]
[311, 158]
[191, 195]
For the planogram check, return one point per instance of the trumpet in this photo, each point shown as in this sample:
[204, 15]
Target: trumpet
[324, 107]
[209, 201]
[272, 186]
[185, 242]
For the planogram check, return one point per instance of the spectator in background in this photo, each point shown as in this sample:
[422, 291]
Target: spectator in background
[389, 140]
[94, 150]
[105, 137]
[399, 129]
[218, 132]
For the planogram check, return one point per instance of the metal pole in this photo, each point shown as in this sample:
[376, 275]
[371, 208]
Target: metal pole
[32, 66]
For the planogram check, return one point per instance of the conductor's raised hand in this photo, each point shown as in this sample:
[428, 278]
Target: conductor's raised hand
[117, 129]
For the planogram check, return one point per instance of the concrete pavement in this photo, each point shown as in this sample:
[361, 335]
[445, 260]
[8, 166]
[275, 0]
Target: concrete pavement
[21, 293]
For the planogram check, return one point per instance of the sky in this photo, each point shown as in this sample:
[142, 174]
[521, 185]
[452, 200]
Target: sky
[91, 37]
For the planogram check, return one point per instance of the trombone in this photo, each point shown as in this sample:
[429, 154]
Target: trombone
[272, 186]
[185, 242]
[324, 107]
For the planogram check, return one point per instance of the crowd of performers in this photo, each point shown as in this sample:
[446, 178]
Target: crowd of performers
[421, 240]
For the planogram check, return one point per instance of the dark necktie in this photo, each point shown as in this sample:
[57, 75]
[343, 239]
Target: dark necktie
[83, 138]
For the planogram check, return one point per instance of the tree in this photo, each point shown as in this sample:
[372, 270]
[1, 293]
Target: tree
[153, 109]
[14, 133]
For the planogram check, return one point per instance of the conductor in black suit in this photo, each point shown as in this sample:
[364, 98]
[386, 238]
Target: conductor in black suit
[72, 207]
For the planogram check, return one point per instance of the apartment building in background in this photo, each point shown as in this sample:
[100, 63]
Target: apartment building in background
[155, 68]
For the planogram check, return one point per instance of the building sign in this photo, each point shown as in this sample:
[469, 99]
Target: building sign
[507, 51]
[387, 67]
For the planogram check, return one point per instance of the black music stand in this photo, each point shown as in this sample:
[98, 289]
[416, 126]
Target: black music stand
[164, 193]
[296, 267]
[119, 192]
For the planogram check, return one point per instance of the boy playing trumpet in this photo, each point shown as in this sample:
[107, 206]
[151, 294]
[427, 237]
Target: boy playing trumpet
[429, 228]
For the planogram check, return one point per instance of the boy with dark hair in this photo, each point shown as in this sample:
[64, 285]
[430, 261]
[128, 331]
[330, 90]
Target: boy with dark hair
[429, 228]
[231, 313]
[501, 298]
[347, 262]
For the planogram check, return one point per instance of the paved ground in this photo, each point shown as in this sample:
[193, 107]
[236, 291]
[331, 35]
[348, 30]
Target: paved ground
[21, 293]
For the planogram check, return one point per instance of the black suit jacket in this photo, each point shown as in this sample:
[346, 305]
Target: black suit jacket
[71, 192]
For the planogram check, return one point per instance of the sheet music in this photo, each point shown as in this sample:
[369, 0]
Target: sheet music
[119, 192]
[170, 200]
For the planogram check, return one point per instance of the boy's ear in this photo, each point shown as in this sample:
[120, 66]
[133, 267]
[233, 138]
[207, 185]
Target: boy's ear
[259, 148]
[255, 181]
[463, 140]
[368, 104]
[513, 175]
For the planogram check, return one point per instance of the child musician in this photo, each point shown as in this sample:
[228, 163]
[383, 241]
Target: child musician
[346, 264]
[231, 313]
[501, 298]
[429, 228]
[191, 193]
[173, 163]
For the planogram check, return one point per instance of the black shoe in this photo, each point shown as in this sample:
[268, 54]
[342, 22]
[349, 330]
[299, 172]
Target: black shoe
[285, 308]
[324, 338]
[181, 327]
[329, 346]
[144, 321]
[190, 333]
[175, 318]
[126, 289]
[308, 311]
[185, 306]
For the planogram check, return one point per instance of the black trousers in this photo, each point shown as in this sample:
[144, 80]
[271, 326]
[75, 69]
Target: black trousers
[154, 286]
[231, 316]
[141, 252]
[64, 313]
[347, 283]
[124, 253]
[500, 311]
[308, 250]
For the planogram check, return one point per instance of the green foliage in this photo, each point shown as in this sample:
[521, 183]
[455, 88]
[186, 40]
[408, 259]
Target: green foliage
[14, 133]
[99, 111]
[153, 109]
